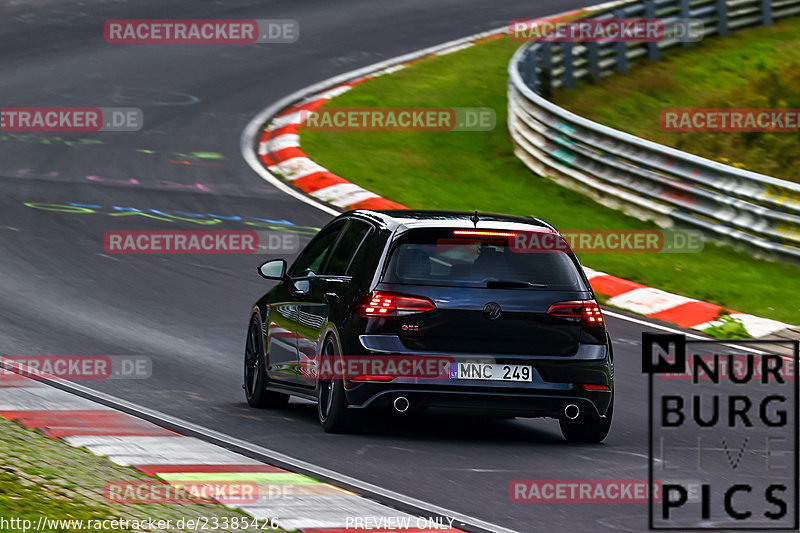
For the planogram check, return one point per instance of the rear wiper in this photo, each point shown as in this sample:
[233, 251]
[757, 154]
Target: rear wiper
[513, 284]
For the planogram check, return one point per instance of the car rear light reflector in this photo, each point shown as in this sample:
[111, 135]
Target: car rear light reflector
[373, 378]
[382, 303]
[589, 386]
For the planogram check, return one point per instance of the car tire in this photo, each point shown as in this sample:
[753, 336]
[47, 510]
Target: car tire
[332, 411]
[255, 372]
[590, 429]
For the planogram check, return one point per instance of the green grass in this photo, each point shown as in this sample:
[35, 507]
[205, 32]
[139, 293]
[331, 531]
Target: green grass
[41, 477]
[728, 328]
[477, 170]
[28, 502]
[756, 68]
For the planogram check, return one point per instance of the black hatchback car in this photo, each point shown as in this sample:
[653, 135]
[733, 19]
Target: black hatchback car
[406, 310]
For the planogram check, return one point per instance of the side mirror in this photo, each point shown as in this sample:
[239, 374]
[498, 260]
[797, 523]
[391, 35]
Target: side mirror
[275, 269]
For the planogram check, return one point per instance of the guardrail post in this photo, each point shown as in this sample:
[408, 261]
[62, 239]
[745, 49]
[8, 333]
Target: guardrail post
[546, 69]
[653, 52]
[569, 67]
[722, 17]
[530, 75]
[685, 20]
[594, 59]
[622, 47]
[766, 12]
[622, 57]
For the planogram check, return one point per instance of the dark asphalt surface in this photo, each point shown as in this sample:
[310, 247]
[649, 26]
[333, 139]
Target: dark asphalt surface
[61, 294]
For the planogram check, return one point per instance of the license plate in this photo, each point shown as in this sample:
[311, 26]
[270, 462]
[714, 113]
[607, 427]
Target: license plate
[489, 372]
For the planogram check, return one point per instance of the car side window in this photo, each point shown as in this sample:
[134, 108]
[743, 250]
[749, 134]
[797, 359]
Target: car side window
[312, 258]
[348, 245]
[364, 258]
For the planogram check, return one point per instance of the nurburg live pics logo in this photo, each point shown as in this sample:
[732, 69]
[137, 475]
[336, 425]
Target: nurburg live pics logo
[723, 445]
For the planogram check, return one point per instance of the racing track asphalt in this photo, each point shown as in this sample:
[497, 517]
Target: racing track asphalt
[61, 294]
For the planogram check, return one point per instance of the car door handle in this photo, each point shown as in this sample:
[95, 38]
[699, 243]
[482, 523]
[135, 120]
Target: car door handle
[331, 297]
[298, 293]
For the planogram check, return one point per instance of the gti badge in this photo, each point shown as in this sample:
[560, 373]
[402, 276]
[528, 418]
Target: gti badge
[492, 310]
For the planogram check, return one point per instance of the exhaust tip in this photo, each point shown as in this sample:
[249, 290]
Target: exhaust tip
[401, 404]
[572, 411]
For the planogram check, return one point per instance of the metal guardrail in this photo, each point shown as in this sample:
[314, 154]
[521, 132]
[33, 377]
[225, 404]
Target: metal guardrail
[624, 171]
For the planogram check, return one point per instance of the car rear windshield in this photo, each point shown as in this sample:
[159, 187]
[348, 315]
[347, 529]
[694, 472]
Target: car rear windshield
[441, 257]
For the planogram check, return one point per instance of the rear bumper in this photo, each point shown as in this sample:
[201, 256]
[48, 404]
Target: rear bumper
[490, 403]
[557, 382]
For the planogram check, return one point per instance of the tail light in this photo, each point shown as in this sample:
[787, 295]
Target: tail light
[590, 386]
[382, 303]
[587, 310]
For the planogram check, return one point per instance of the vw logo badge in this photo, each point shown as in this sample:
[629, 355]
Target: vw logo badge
[492, 310]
